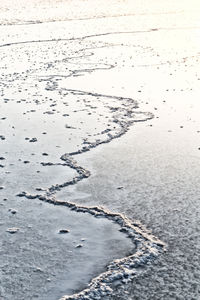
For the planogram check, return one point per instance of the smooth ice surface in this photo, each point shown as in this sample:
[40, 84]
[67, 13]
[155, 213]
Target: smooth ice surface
[38, 262]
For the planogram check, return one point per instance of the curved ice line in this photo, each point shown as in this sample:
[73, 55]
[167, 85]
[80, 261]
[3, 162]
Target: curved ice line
[75, 72]
[36, 22]
[148, 247]
[76, 38]
[81, 92]
[96, 35]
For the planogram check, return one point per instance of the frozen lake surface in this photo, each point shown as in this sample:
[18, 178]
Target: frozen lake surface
[99, 128]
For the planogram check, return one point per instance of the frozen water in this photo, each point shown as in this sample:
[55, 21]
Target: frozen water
[71, 75]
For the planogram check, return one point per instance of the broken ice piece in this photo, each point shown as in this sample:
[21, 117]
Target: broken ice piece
[62, 231]
[12, 230]
[33, 140]
[13, 211]
[37, 269]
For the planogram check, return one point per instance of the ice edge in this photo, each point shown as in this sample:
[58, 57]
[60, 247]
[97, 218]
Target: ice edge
[148, 247]
[123, 270]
